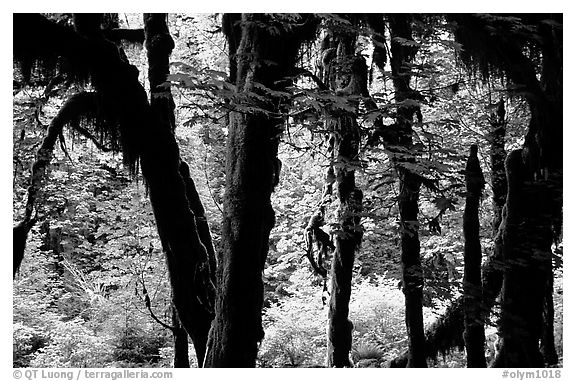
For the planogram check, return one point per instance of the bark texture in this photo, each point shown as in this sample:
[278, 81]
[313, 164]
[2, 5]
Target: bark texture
[474, 336]
[263, 60]
[526, 251]
[180, 337]
[345, 74]
[493, 269]
[402, 55]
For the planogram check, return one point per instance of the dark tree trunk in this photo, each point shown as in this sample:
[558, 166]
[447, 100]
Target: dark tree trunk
[180, 342]
[497, 159]
[473, 315]
[348, 239]
[412, 275]
[187, 277]
[402, 55]
[263, 58]
[493, 270]
[526, 250]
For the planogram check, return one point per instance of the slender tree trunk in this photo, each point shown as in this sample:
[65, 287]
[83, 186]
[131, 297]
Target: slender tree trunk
[493, 269]
[497, 159]
[412, 275]
[263, 58]
[348, 239]
[340, 66]
[473, 317]
[402, 55]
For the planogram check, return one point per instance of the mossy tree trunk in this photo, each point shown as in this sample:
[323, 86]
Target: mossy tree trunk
[402, 55]
[526, 250]
[263, 60]
[347, 75]
[474, 336]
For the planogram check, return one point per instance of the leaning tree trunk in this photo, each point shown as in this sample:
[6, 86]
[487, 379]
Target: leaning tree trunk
[159, 45]
[264, 58]
[402, 55]
[76, 107]
[473, 315]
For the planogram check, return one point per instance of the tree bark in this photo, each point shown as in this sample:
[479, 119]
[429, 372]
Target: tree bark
[340, 66]
[474, 336]
[348, 239]
[493, 269]
[264, 59]
[526, 250]
[187, 278]
[497, 159]
[180, 337]
[402, 55]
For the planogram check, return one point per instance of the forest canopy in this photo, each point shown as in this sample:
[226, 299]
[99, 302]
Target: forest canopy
[287, 190]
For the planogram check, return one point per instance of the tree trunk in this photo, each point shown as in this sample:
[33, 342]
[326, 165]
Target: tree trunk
[349, 71]
[264, 58]
[497, 159]
[402, 55]
[180, 342]
[348, 239]
[526, 249]
[493, 269]
[412, 275]
[187, 278]
[473, 315]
